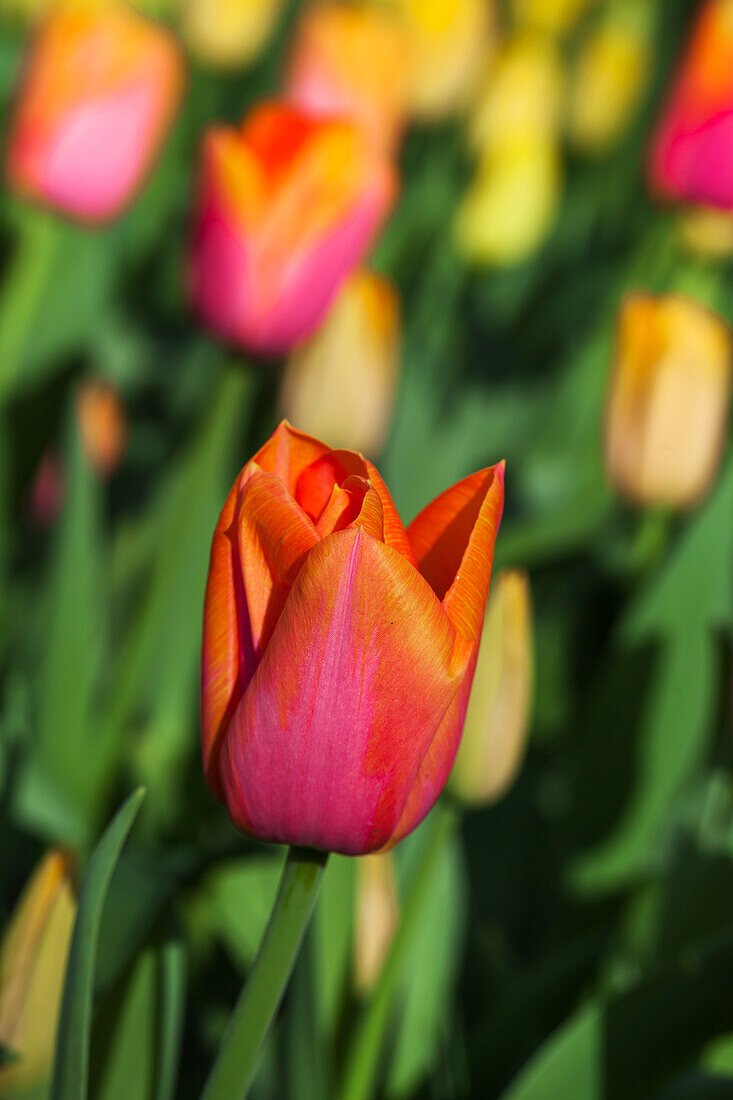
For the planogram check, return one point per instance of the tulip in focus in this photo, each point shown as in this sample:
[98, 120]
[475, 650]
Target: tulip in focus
[32, 969]
[610, 76]
[103, 425]
[338, 647]
[348, 59]
[668, 404]
[495, 733]
[448, 41]
[692, 152]
[340, 383]
[98, 94]
[229, 32]
[287, 207]
[554, 16]
[377, 917]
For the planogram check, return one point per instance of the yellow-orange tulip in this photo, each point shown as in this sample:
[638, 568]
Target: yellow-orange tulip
[377, 917]
[555, 16]
[102, 423]
[229, 32]
[707, 231]
[32, 968]
[339, 384]
[497, 719]
[669, 398]
[349, 59]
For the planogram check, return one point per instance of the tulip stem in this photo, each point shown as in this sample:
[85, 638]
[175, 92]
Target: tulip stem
[359, 1079]
[250, 1023]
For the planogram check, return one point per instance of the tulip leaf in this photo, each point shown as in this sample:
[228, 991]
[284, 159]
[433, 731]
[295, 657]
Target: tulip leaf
[71, 1065]
[569, 1064]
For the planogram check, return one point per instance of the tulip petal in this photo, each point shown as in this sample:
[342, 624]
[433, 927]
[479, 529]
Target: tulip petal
[360, 671]
[453, 541]
[287, 453]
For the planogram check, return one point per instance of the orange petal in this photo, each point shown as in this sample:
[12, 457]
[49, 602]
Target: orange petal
[287, 453]
[395, 534]
[453, 540]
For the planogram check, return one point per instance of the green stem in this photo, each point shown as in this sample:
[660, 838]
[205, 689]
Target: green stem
[361, 1068]
[258, 1002]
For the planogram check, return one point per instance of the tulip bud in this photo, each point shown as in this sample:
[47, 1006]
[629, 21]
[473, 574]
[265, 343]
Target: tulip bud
[32, 969]
[103, 425]
[338, 647]
[509, 208]
[495, 733]
[348, 59]
[555, 16]
[287, 207]
[610, 75]
[377, 917]
[47, 492]
[692, 151]
[668, 403]
[448, 41]
[97, 96]
[707, 232]
[229, 32]
[339, 384]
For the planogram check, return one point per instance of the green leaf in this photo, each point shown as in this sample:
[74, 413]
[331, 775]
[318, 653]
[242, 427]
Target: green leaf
[71, 1066]
[570, 1064]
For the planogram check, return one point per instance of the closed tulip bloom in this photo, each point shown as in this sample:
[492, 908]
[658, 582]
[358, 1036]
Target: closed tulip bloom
[102, 423]
[287, 206]
[495, 733]
[339, 384]
[97, 96]
[32, 968]
[348, 59]
[692, 151]
[669, 398]
[376, 918]
[707, 232]
[338, 647]
[229, 32]
[555, 16]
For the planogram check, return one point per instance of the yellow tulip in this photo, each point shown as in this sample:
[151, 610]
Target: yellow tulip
[32, 968]
[668, 403]
[377, 917]
[339, 384]
[707, 231]
[555, 16]
[497, 720]
[229, 32]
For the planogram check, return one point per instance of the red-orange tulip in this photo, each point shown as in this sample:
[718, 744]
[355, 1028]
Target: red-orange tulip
[98, 94]
[338, 647]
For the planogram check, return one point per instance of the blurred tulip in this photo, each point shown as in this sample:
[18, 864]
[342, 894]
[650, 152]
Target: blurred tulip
[555, 16]
[339, 384]
[448, 41]
[668, 402]
[692, 151]
[495, 733]
[348, 59]
[229, 32]
[103, 425]
[287, 207]
[610, 76]
[377, 917]
[32, 968]
[509, 208]
[47, 491]
[521, 94]
[707, 232]
[98, 93]
[338, 648]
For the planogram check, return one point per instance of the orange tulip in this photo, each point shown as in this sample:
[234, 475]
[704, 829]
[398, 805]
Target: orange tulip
[338, 647]
[98, 94]
[287, 207]
[103, 425]
[348, 59]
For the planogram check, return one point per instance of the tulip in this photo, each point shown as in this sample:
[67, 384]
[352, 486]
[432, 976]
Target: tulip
[555, 16]
[102, 424]
[377, 917]
[287, 207]
[338, 647]
[98, 94]
[229, 32]
[610, 75]
[348, 59]
[707, 232]
[47, 492]
[495, 733]
[668, 402]
[447, 44]
[32, 967]
[692, 151]
[340, 383]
